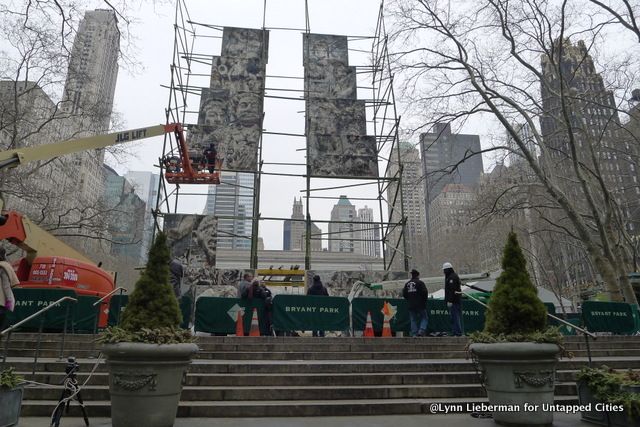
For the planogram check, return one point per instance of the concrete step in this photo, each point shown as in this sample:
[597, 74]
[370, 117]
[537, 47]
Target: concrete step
[333, 379]
[271, 408]
[318, 345]
[56, 365]
[293, 355]
[32, 336]
[329, 392]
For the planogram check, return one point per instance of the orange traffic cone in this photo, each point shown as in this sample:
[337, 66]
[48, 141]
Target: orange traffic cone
[255, 327]
[368, 329]
[386, 327]
[240, 323]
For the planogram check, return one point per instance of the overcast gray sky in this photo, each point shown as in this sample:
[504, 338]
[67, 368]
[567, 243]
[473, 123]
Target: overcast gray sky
[141, 100]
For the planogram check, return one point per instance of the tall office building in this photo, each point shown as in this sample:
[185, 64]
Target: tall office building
[515, 157]
[145, 185]
[232, 202]
[342, 234]
[368, 233]
[126, 217]
[447, 158]
[89, 91]
[88, 100]
[294, 231]
[413, 201]
[354, 230]
[596, 129]
[93, 70]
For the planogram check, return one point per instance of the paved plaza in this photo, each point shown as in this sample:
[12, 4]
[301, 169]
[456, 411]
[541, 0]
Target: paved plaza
[450, 420]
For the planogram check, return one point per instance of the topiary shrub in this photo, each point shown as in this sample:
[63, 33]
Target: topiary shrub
[514, 306]
[9, 379]
[152, 314]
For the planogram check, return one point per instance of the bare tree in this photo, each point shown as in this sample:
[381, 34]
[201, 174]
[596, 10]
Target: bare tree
[511, 62]
[35, 58]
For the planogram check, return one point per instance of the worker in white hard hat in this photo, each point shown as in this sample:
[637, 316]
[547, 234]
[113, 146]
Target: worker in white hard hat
[453, 298]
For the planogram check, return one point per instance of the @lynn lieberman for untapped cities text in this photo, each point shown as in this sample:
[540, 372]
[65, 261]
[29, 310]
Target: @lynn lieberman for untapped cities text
[447, 408]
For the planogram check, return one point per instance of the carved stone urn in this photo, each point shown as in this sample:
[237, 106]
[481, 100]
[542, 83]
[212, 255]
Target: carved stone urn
[519, 378]
[145, 382]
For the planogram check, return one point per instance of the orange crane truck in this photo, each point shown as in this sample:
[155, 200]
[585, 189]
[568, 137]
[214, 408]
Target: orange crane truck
[49, 262]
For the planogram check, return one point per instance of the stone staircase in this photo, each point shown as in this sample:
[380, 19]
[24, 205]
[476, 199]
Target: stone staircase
[286, 376]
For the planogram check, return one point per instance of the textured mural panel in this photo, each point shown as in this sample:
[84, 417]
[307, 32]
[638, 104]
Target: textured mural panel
[342, 155]
[192, 239]
[237, 145]
[224, 283]
[245, 43]
[338, 117]
[231, 109]
[330, 79]
[237, 74]
[336, 126]
[325, 47]
[222, 107]
[339, 283]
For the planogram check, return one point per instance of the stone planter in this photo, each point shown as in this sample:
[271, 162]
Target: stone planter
[622, 419]
[10, 404]
[518, 374]
[145, 382]
[586, 397]
[602, 417]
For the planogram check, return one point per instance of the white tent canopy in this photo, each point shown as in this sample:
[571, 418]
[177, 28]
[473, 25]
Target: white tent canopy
[488, 285]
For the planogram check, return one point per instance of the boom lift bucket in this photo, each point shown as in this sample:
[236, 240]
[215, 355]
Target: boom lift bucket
[191, 167]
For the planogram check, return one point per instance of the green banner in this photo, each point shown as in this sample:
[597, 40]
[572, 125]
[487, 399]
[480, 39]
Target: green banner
[439, 318]
[614, 317]
[30, 301]
[186, 303]
[399, 312]
[636, 316]
[473, 315]
[217, 315]
[118, 303]
[84, 316]
[551, 308]
[438, 312]
[116, 307]
[310, 313]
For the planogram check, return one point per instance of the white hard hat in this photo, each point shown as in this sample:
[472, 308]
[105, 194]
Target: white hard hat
[446, 265]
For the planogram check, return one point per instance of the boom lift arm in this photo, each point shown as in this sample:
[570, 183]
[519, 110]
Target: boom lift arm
[35, 241]
[19, 156]
[22, 232]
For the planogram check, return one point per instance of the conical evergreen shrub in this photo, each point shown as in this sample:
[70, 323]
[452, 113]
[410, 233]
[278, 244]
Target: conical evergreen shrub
[153, 304]
[514, 307]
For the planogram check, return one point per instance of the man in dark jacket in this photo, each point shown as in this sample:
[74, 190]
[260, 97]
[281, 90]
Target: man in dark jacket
[453, 299]
[176, 273]
[317, 289]
[415, 292]
[260, 291]
[209, 156]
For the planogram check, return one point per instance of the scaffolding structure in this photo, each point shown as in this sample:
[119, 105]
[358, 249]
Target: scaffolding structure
[190, 70]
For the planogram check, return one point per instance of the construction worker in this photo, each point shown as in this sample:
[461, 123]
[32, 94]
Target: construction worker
[453, 298]
[210, 154]
[415, 292]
